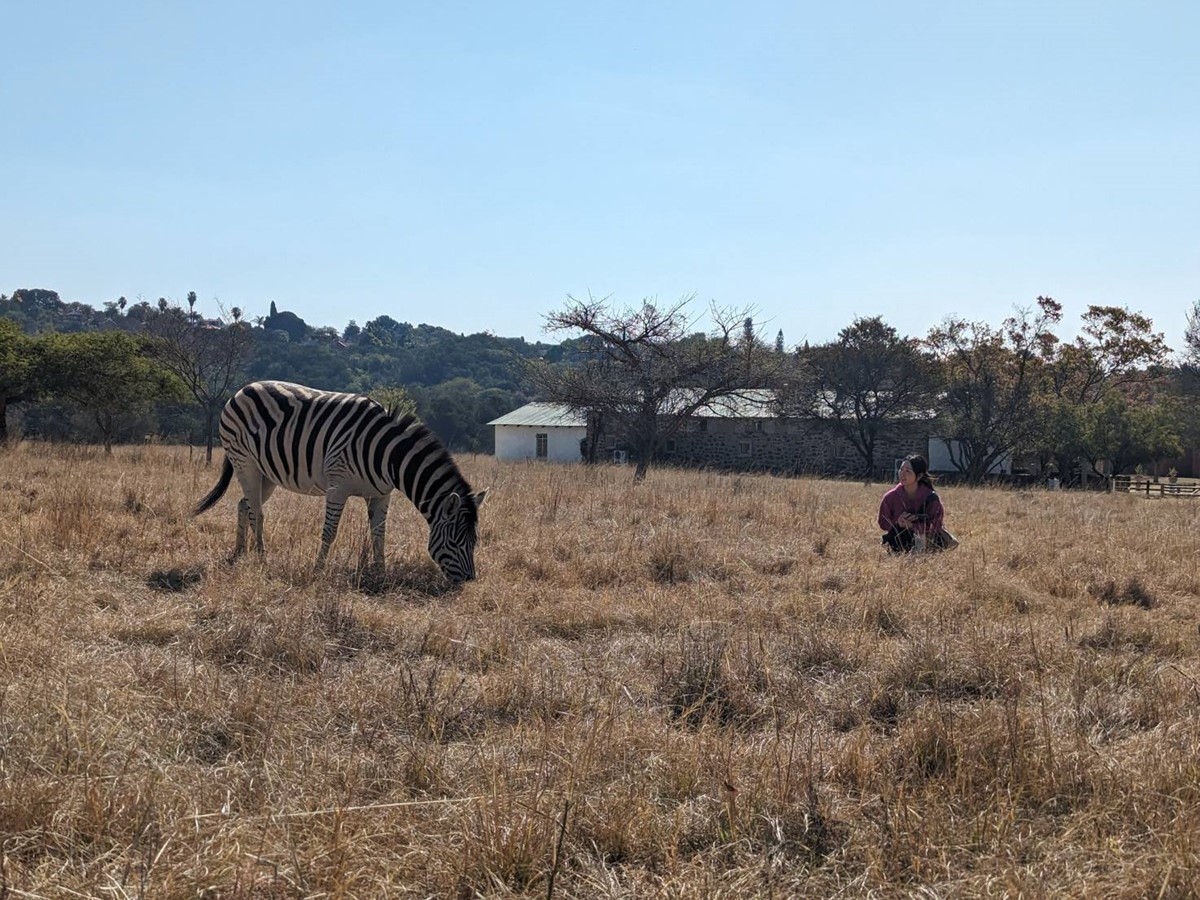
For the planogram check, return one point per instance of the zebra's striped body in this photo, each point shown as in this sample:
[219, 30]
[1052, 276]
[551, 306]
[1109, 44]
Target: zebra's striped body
[277, 434]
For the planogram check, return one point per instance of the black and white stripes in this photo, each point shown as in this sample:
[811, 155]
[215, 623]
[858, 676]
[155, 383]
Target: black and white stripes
[277, 434]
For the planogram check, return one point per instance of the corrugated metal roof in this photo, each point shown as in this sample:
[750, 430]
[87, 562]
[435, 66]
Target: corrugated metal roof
[756, 404]
[542, 414]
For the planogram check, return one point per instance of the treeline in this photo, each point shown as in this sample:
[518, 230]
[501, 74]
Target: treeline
[1110, 399]
[456, 383]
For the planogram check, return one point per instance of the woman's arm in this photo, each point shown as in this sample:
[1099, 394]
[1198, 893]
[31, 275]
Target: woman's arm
[889, 511]
[934, 515]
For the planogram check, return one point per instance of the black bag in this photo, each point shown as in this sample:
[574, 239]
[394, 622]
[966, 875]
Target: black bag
[941, 539]
[944, 540]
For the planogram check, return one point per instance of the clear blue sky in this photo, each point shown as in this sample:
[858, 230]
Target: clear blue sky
[469, 165]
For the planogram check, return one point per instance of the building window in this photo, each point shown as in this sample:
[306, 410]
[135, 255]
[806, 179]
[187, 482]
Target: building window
[702, 424]
[758, 425]
[745, 448]
[543, 445]
[670, 446]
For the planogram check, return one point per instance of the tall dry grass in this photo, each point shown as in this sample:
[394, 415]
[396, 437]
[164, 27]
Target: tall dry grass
[701, 686]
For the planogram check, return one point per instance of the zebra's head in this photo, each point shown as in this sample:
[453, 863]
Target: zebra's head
[452, 534]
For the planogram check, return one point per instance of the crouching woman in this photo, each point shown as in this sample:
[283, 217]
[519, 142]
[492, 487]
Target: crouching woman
[911, 513]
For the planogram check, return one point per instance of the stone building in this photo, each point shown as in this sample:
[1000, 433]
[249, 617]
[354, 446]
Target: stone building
[734, 435]
[788, 446]
[746, 434]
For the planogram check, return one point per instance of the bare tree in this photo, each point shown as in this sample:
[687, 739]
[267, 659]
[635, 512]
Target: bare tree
[645, 370]
[208, 357]
[1191, 339]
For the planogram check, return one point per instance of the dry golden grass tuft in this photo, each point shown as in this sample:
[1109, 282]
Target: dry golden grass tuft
[701, 686]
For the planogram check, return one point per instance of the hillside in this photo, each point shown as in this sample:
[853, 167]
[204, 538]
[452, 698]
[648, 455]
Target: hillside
[459, 382]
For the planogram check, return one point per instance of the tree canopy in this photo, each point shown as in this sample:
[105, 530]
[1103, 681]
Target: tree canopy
[106, 375]
[18, 370]
[988, 381]
[642, 370]
[867, 384]
[388, 353]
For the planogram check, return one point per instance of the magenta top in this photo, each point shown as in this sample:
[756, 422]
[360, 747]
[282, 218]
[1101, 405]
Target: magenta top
[896, 501]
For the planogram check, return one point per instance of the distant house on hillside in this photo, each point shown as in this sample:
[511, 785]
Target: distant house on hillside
[547, 431]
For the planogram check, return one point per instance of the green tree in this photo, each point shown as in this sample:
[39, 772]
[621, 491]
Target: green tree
[35, 309]
[1115, 352]
[385, 331]
[990, 379]
[18, 369]
[106, 375]
[1055, 432]
[316, 364]
[491, 404]
[1115, 347]
[396, 400]
[865, 384]
[451, 410]
[1125, 434]
[288, 322]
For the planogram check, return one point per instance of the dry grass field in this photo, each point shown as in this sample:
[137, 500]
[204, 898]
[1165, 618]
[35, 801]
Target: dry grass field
[705, 685]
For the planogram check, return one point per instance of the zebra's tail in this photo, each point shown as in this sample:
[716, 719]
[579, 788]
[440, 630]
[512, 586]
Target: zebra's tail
[218, 490]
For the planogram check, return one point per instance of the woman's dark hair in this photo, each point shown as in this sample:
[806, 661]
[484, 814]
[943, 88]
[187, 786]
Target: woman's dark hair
[920, 468]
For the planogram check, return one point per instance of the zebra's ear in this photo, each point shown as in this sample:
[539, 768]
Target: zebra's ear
[480, 497]
[450, 505]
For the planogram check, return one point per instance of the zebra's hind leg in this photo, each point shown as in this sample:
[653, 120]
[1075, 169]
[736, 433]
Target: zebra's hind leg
[243, 525]
[255, 490]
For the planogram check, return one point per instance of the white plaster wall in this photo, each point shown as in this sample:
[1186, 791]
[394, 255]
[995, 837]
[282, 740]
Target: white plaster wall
[520, 442]
[940, 459]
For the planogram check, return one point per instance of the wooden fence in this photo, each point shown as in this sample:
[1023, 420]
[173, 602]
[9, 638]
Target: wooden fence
[1151, 487]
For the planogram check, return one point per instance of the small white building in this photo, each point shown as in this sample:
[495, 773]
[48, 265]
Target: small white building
[943, 452]
[547, 431]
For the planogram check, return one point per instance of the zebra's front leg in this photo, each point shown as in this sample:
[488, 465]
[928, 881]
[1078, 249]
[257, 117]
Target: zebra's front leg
[377, 510]
[334, 504]
[256, 513]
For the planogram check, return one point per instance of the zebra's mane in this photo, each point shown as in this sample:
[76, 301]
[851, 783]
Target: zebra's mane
[454, 480]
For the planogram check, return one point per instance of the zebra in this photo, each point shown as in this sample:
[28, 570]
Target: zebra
[277, 434]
